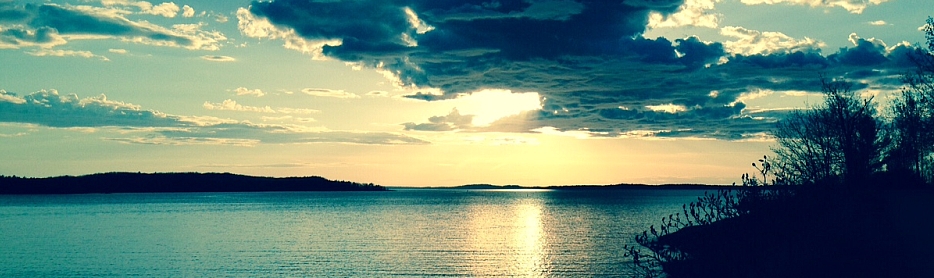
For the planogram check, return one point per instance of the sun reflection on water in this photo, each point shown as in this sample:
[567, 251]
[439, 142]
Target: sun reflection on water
[510, 241]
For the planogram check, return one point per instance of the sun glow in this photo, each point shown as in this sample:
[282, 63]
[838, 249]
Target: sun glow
[488, 106]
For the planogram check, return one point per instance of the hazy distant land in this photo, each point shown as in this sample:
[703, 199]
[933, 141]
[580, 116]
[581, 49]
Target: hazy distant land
[621, 186]
[173, 182]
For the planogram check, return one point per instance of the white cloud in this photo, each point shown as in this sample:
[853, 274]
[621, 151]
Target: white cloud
[243, 91]
[288, 118]
[65, 53]
[117, 50]
[852, 6]
[751, 95]
[420, 26]
[188, 11]
[10, 97]
[691, 13]
[328, 93]
[750, 42]
[186, 141]
[231, 105]
[667, 108]
[878, 23]
[855, 39]
[286, 110]
[166, 9]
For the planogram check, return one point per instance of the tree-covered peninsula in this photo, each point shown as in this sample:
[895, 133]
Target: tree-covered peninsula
[172, 182]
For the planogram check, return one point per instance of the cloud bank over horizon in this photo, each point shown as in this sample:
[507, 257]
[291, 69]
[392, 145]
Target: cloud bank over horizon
[51, 109]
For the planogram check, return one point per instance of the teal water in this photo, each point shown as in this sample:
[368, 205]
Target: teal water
[403, 233]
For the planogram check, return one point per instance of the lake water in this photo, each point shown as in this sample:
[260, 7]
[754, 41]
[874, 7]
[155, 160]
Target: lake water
[403, 233]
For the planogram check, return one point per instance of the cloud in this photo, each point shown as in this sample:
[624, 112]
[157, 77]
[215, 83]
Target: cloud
[15, 37]
[691, 13]
[878, 23]
[184, 141]
[536, 10]
[378, 93]
[218, 58]
[188, 11]
[231, 105]
[257, 27]
[328, 93]
[866, 52]
[166, 9]
[852, 6]
[10, 98]
[243, 91]
[65, 53]
[219, 18]
[752, 42]
[591, 65]
[49, 25]
[51, 109]
[667, 108]
[117, 50]
[451, 121]
[282, 134]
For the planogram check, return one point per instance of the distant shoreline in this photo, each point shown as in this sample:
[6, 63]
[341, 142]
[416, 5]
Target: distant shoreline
[624, 186]
[123, 182]
[173, 182]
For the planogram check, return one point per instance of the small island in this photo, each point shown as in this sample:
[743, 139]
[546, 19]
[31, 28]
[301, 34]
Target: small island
[121, 182]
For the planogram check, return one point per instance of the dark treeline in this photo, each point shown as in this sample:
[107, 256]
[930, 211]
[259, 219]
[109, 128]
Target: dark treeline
[172, 182]
[849, 192]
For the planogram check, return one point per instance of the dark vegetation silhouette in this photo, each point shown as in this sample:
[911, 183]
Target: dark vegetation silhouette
[848, 193]
[172, 182]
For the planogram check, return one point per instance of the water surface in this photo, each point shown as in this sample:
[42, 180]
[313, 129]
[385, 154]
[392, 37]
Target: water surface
[469, 233]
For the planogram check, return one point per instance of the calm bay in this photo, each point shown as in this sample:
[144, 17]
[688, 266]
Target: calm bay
[403, 233]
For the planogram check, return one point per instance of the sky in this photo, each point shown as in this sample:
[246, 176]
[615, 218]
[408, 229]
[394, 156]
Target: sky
[431, 93]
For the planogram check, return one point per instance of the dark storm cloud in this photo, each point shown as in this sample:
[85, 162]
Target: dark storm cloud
[374, 21]
[865, 53]
[49, 108]
[472, 10]
[696, 54]
[590, 63]
[799, 59]
[9, 13]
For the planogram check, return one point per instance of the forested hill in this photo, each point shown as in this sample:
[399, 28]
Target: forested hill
[172, 182]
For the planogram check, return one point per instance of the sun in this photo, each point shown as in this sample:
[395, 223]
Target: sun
[487, 106]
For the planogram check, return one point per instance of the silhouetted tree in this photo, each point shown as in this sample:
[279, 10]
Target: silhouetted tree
[913, 115]
[837, 141]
